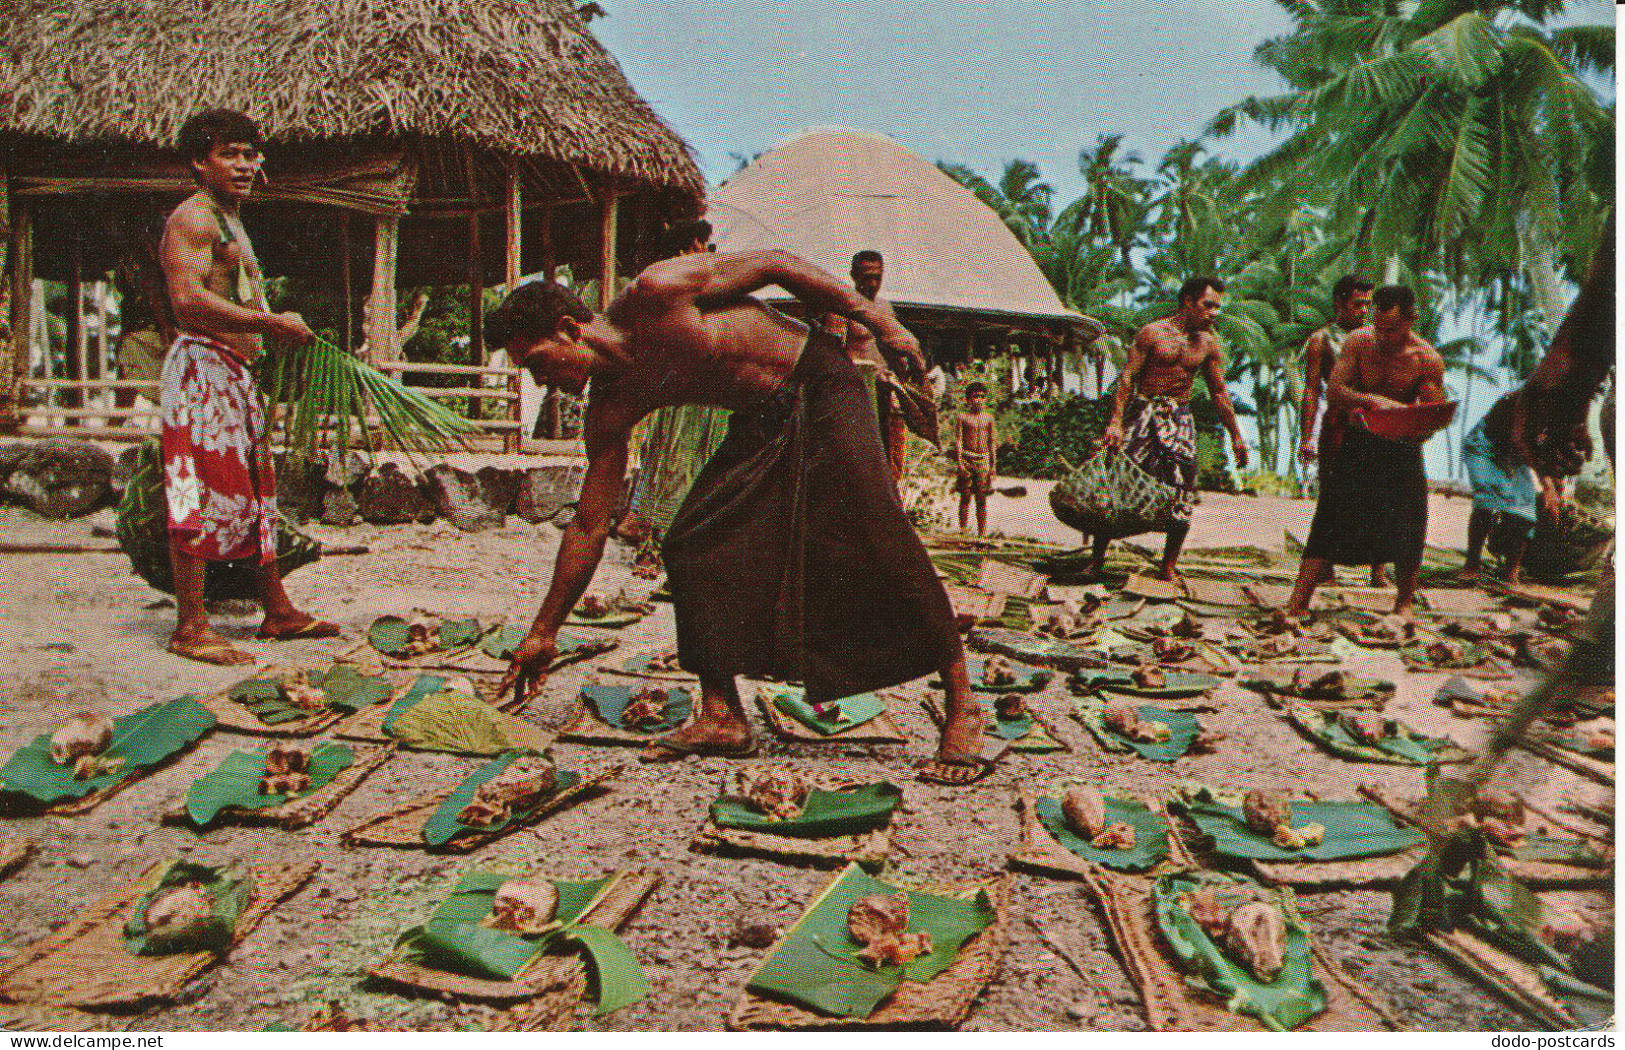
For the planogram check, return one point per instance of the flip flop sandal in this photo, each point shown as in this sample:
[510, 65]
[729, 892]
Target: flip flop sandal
[668, 750]
[216, 653]
[956, 770]
[316, 628]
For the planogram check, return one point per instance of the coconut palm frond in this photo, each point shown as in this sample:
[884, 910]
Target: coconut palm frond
[326, 389]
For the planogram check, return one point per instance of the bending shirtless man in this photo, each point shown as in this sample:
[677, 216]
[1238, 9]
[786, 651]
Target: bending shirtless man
[791, 556]
[217, 462]
[1154, 395]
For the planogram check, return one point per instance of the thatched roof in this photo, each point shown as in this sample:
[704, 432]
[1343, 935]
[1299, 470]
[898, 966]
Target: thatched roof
[523, 77]
[828, 192]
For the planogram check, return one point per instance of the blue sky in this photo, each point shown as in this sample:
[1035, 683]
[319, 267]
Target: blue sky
[975, 82]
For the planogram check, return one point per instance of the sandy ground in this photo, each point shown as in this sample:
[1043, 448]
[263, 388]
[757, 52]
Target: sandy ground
[80, 631]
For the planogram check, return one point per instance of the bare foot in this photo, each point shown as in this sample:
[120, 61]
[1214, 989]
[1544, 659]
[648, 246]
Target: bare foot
[296, 625]
[962, 734]
[207, 647]
[1169, 575]
[1406, 613]
[1470, 576]
[1514, 577]
[1380, 578]
[729, 739]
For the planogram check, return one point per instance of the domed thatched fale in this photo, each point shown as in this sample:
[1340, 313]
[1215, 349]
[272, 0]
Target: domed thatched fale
[953, 269]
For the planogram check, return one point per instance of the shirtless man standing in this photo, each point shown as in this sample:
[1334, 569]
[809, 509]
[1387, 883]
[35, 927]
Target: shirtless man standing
[1374, 508]
[791, 556]
[868, 270]
[217, 462]
[1351, 302]
[1161, 434]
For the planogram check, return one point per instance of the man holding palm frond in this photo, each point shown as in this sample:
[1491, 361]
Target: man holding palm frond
[218, 482]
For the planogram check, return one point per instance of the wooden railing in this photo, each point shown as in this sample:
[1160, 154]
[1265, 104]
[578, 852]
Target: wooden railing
[98, 417]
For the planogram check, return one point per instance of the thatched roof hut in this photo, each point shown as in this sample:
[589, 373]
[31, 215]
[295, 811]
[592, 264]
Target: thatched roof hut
[425, 115]
[954, 271]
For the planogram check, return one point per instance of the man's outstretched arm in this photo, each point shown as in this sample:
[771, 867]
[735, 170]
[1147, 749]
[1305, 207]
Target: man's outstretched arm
[581, 547]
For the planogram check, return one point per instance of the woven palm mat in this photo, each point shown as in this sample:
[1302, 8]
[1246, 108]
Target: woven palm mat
[1535, 874]
[85, 803]
[552, 973]
[1511, 977]
[297, 812]
[878, 730]
[85, 963]
[367, 724]
[1171, 1005]
[944, 1002]
[1044, 741]
[869, 848]
[585, 727]
[237, 718]
[471, 658]
[14, 853]
[1286, 701]
[1040, 853]
[1488, 669]
[403, 825]
[1595, 769]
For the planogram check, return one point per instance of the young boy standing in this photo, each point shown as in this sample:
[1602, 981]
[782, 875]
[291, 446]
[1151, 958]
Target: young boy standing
[973, 457]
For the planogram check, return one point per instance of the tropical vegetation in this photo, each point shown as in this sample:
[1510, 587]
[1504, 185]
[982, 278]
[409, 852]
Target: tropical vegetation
[1460, 146]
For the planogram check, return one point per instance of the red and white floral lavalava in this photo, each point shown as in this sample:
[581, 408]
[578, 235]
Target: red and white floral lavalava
[217, 462]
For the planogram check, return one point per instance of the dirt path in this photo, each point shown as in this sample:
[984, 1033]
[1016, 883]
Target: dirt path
[80, 631]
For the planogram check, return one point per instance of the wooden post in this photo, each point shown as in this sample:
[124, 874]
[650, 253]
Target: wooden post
[609, 228]
[349, 281]
[382, 336]
[550, 258]
[73, 343]
[98, 363]
[476, 313]
[512, 205]
[8, 307]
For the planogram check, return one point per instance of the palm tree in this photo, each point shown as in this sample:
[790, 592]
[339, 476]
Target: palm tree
[1021, 198]
[1116, 198]
[1459, 138]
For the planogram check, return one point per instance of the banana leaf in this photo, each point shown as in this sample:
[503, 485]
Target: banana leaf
[1182, 726]
[344, 689]
[1028, 679]
[389, 635]
[1284, 1003]
[1557, 851]
[454, 634]
[1405, 747]
[325, 387]
[1353, 829]
[501, 641]
[422, 687]
[212, 934]
[1025, 646]
[236, 782]
[462, 724]
[443, 826]
[847, 811]
[452, 939]
[816, 964]
[1150, 834]
[610, 701]
[142, 739]
[847, 712]
[1179, 683]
